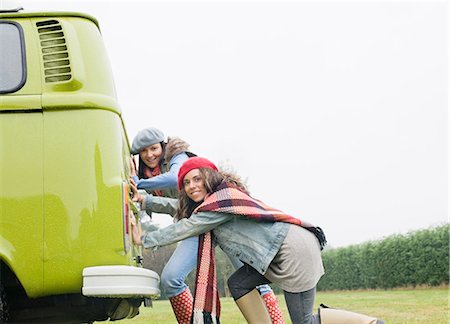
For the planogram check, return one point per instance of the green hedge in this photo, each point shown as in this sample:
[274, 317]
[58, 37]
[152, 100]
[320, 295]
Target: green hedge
[417, 258]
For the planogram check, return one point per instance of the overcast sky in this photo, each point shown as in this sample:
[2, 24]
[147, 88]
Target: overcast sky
[335, 112]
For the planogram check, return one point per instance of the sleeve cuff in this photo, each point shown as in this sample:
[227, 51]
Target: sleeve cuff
[147, 203]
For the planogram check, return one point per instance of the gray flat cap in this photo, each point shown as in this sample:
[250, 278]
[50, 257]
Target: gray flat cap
[146, 137]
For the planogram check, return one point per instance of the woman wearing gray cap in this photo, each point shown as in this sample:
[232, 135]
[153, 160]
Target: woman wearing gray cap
[159, 161]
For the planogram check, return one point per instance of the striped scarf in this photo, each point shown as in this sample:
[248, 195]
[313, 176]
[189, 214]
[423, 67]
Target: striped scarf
[206, 295]
[229, 199]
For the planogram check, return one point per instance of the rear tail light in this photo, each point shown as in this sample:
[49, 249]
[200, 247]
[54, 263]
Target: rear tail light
[126, 216]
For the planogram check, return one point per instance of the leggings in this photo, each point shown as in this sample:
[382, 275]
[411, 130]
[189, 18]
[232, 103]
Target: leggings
[300, 305]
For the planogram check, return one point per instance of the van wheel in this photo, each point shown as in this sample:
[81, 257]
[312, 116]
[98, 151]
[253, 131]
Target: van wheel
[3, 306]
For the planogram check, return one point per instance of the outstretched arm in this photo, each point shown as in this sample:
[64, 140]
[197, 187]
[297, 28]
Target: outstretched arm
[197, 224]
[150, 203]
[162, 205]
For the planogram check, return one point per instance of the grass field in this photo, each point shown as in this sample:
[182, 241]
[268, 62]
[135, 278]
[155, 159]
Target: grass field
[420, 305]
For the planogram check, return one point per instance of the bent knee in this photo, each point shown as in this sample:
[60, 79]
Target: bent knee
[171, 280]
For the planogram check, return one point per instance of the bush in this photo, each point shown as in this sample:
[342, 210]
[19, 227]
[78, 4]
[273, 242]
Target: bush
[417, 258]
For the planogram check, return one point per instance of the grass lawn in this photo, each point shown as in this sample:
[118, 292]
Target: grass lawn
[420, 305]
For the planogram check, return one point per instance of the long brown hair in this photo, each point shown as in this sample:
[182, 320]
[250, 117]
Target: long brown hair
[211, 179]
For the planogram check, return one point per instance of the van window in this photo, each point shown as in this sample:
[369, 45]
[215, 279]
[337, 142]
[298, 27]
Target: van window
[12, 57]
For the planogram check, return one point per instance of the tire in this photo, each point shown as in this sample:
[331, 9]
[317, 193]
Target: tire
[3, 306]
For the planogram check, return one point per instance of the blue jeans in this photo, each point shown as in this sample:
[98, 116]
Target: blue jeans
[182, 262]
[300, 306]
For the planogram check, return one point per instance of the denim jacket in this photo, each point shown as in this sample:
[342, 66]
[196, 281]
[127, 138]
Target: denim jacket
[252, 242]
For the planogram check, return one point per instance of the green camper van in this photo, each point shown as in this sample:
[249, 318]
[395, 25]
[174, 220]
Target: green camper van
[66, 253]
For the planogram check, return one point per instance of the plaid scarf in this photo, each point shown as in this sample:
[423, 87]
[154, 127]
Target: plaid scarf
[229, 199]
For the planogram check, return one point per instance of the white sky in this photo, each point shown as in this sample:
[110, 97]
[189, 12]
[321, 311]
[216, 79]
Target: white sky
[336, 111]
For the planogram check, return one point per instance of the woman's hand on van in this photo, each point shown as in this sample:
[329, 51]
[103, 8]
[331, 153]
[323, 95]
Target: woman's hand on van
[136, 196]
[135, 230]
[133, 166]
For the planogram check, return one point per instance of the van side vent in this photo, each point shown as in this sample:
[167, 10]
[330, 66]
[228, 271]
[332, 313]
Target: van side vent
[54, 51]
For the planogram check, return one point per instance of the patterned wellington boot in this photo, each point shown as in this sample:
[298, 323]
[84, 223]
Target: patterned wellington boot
[182, 306]
[271, 302]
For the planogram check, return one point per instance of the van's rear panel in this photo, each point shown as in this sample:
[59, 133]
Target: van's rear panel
[64, 169]
[63, 123]
[84, 172]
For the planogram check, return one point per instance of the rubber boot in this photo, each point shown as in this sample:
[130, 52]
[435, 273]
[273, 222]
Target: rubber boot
[252, 307]
[273, 308]
[183, 305]
[339, 316]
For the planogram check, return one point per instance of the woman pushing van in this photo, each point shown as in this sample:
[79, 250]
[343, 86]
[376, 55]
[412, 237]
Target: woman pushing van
[273, 246]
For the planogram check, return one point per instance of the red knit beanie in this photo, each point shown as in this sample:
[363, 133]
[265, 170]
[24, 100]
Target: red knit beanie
[191, 164]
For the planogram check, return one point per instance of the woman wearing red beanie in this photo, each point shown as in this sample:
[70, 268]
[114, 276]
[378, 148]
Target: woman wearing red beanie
[273, 246]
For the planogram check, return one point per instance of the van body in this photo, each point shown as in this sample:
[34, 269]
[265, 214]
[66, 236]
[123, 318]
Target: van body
[66, 253]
